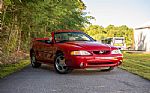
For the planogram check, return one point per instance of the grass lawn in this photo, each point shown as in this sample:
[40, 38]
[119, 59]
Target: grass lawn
[10, 68]
[137, 63]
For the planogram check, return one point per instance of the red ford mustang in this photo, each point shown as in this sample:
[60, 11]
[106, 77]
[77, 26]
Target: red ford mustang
[68, 50]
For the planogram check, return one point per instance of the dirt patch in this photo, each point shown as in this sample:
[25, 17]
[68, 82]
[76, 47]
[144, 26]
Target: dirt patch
[13, 58]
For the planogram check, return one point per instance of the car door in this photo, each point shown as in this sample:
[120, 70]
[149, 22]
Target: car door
[48, 48]
[40, 49]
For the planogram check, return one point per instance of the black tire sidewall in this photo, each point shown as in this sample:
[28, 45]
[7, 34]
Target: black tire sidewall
[66, 71]
[36, 64]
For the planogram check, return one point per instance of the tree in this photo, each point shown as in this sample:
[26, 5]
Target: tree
[23, 20]
[99, 32]
[95, 31]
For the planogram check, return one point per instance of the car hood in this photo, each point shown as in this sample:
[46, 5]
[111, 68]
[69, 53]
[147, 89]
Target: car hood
[86, 45]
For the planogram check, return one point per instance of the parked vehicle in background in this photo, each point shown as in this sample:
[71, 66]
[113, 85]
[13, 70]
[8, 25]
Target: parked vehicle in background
[118, 42]
[69, 49]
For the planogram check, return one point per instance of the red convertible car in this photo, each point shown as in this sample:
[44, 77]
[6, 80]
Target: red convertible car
[69, 49]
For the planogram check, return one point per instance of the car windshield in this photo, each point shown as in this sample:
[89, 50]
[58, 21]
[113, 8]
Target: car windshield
[71, 36]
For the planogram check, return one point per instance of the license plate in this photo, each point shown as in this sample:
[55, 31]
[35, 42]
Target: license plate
[106, 58]
[104, 68]
[92, 68]
[97, 68]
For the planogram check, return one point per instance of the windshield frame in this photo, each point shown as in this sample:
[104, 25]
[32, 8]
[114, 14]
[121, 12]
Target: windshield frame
[82, 33]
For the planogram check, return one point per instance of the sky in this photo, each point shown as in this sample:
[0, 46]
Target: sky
[132, 13]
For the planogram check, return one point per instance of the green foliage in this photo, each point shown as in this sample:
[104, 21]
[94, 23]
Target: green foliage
[23, 20]
[10, 68]
[99, 32]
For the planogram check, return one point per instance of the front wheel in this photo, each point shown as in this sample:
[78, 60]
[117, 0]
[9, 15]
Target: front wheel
[34, 62]
[60, 65]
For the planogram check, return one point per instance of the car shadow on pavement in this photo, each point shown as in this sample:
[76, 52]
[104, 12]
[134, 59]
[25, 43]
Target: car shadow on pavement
[80, 71]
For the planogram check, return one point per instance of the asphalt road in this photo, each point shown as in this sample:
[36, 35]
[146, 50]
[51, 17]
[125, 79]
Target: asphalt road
[45, 80]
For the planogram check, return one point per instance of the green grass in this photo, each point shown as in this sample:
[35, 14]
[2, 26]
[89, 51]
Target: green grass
[11, 68]
[138, 64]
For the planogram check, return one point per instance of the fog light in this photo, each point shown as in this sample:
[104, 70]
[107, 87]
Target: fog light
[81, 64]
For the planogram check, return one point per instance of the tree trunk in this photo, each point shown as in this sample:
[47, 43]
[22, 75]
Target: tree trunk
[1, 8]
[19, 40]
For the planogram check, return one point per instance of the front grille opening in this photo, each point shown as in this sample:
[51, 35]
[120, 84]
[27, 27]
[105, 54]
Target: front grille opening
[101, 52]
[100, 63]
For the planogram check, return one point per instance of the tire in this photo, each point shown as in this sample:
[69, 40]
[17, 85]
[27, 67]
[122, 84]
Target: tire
[34, 62]
[60, 66]
[109, 69]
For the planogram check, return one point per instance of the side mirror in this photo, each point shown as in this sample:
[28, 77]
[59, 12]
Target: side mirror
[51, 40]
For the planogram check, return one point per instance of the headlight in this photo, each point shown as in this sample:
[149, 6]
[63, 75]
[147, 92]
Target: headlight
[116, 52]
[82, 52]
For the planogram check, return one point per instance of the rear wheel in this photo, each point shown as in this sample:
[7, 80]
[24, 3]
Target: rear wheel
[60, 65]
[34, 62]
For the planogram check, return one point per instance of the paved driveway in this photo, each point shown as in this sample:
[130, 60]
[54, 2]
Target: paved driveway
[45, 80]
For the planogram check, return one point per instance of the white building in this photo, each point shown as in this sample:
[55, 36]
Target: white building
[142, 37]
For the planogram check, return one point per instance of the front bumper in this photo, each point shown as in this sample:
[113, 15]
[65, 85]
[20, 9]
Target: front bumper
[81, 62]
